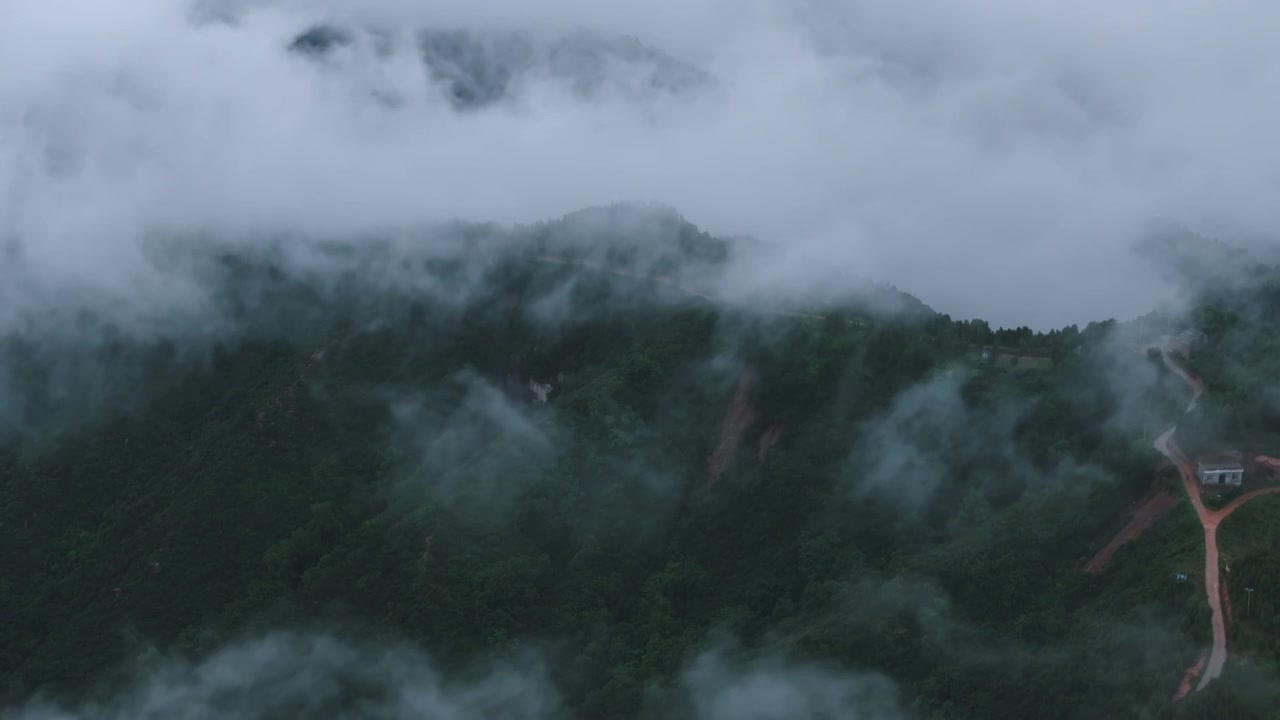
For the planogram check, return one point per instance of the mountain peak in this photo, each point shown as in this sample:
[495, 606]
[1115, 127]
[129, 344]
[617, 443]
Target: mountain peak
[477, 68]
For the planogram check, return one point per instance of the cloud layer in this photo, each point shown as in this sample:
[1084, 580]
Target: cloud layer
[314, 676]
[320, 677]
[996, 159]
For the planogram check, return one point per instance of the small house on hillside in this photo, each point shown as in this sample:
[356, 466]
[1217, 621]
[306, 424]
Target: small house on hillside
[1219, 470]
[1192, 337]
[1186, 341]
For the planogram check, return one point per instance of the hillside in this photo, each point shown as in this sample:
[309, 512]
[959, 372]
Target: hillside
[476, 69]
[484, 451]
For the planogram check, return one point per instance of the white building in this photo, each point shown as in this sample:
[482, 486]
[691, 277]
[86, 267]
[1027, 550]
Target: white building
[1192, 337]
[1219, 472]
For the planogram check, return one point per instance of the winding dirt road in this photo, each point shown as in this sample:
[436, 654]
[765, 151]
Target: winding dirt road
[1218, 655]
[1209, 520]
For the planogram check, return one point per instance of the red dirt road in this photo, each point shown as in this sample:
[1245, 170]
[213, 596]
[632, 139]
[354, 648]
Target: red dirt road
[1150, 509]
[1220, 515]
[1209, 520]
[1218, 655]
[1197, 387]
[1270, 462]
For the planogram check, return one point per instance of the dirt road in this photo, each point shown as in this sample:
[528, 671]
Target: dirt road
[1197, 387]
[1269, 462]
[1209, 520]
[1218, 655]
[1153, 506]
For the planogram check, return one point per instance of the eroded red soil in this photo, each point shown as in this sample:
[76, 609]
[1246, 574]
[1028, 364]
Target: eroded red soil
[1153, 506]
[769, 439]
[1268, 462]
[737, 419]
[1189, 679]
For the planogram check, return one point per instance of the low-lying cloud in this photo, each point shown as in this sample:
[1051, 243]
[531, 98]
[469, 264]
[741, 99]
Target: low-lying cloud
[475, 452]
[716, 688]
[996, 159]
[307, 676]
[319, 676]
[921, 442]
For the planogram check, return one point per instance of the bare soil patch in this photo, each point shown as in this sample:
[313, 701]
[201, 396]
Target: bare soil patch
[1153, 506]
[737, 418]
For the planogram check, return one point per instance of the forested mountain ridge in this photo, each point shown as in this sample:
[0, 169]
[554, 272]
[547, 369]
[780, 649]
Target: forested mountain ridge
[500, 447]
[477, 69]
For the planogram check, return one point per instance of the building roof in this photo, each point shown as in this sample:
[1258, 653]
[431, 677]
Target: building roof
[1221, 461]
[1213, 467]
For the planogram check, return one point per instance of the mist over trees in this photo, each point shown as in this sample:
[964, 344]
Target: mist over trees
[362, 360]
[499, 448]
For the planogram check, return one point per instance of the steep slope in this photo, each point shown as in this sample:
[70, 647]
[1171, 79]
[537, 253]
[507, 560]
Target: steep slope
[480, 453]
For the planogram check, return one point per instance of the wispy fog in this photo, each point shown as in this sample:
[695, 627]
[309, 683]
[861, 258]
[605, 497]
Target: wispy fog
[993, 158]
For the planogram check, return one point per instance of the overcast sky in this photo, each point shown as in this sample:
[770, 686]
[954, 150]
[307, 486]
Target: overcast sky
[995, 158]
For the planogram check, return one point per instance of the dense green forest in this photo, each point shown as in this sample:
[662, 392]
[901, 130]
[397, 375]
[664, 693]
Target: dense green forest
[535, 449]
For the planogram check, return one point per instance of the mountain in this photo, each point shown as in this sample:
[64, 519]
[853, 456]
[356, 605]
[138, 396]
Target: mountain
[477, 69]
[1204, 265]
[537, 472]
